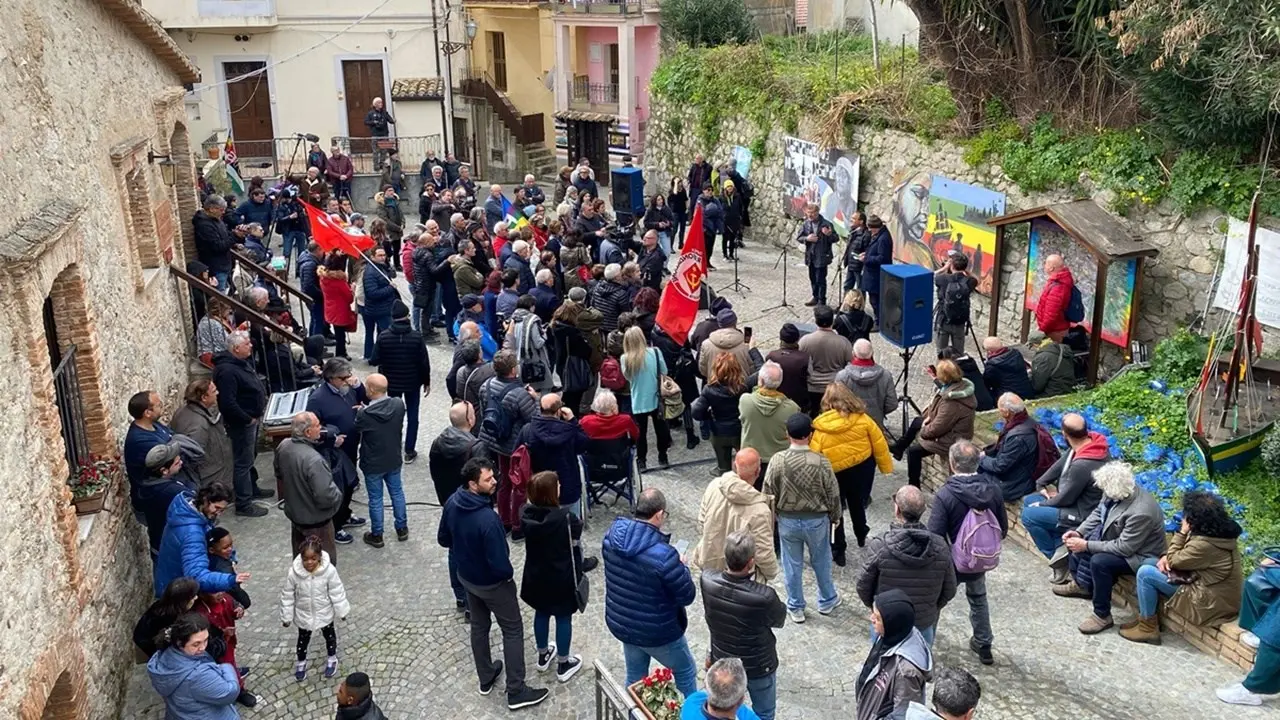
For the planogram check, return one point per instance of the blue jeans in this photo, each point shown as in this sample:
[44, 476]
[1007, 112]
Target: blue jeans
[1041, 524]
[564, 632]
[371, 321]
[1152, 585]
[664, 242]
[459, 592]
[295, 241]
[675, 655]
[412, 401]
[374, 481]
[793, 535]
[928, 633]
[437, 304]
[415, 318]
[224, 281]
[764, 695]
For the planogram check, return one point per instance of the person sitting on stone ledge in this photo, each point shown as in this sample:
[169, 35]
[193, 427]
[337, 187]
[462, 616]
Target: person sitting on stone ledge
[1200, 575]
[1006, 370]
[973, 373]
[1053, 369]
[1011, 461]
[1123, 532]
[1264, 679]
[948, 418]
[1065, 494]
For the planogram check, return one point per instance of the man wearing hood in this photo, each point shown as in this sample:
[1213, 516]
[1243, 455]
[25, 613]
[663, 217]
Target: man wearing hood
[1011, 462]
[910, 558]
[311, 497]
[879, 252]
[555, 441]
[473, 534]
[968, 489]
[242, 399]
[764, 412]
[402, 359]
[379, 424]
[730, 504]
[708, 325]
[899, 664]
[829, 353]
[1065, 494]
[727, 339]
[200, 420]
[647, 588]
[611, 297]
[183, 551]
[1006, 370]
[167, 477]
[870, 382]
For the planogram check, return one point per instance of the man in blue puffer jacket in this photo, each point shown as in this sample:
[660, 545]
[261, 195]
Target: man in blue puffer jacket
[379, 294]
[183, 549]
[647, 588]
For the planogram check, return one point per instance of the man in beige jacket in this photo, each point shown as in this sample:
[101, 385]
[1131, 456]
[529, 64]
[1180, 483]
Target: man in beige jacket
[732, 504]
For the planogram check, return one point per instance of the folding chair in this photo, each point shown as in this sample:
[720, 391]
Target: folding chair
[609, 467]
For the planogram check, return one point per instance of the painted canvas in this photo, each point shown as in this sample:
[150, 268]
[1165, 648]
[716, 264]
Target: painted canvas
[742, 161]
[1047, 238]
[829, 179]
[933, 216]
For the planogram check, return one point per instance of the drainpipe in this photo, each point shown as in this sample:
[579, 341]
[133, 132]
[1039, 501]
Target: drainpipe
[444, 110]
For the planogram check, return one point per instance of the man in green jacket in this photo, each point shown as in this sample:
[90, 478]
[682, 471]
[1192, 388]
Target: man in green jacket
[1053, 369]
[764, 413]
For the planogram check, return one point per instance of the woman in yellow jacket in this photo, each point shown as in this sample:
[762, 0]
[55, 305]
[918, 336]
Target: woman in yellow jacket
[855, 445]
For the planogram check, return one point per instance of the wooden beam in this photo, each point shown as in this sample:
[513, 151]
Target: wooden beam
[1095, 332]
[997, 284]
[254, 316]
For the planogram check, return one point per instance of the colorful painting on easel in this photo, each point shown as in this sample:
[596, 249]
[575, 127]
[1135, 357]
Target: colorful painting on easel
[933, 217]
[1048, 238]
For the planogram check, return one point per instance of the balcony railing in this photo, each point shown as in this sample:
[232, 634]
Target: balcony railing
[604, 7]
[586, 93]
[66, 387]
[273, 157]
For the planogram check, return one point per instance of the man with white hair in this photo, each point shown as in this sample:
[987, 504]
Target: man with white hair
[764, 412]
[1006, 370]
[1015, 460]
[545, 297]
[242, 398]
[611, 297]
[494, 212]
[532, 192]
[1122, 533]
[311, 498]
[1055, 299]
[872, 383]
[519, 261]
[213, 239]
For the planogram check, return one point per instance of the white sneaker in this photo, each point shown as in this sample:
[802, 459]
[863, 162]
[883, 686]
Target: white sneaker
[827, 611]
[797, 616]
[1250, 640]
[1238, 695]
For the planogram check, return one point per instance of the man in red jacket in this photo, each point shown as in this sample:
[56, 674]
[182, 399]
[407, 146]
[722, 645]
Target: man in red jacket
[1051, 308]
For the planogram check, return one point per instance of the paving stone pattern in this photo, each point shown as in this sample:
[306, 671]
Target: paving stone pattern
[403, 629]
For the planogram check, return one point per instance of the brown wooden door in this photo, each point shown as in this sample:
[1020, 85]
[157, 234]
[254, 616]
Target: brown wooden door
[362, 81]
[498, 59]
[611, 92]
[461, 140]
[249, 105]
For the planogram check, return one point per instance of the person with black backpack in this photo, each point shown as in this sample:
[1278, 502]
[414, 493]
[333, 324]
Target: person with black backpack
[506, 405]
[1023, 451]
[951, 318]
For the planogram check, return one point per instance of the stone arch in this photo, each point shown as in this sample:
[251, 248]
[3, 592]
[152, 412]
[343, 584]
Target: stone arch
[56, 686]
[186, 202]
[61, 702]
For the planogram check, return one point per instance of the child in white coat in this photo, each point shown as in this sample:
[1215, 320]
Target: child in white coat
[313, 597]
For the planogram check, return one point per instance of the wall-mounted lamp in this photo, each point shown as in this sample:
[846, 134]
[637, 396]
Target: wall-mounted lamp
[470, 27]
[167, 166]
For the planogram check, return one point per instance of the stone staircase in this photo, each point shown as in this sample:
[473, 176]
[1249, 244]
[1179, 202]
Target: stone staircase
[540, 161]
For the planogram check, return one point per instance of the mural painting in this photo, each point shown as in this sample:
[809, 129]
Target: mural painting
[1047, 238]
[932, 217]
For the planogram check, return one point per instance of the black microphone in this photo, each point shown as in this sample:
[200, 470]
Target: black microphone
[308, 136]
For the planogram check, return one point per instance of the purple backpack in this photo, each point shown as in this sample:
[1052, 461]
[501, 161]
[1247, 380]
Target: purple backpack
[977, 545]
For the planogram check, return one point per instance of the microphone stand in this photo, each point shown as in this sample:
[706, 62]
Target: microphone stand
[737, 285]
[783, 261]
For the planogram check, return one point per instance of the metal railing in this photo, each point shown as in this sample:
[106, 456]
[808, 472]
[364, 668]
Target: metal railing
[527, 129]
[612, 7]
[583, 91]
[613, 702]
[272, 158]
[66, 390]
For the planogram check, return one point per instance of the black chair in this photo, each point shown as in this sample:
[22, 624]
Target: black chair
[609, 467]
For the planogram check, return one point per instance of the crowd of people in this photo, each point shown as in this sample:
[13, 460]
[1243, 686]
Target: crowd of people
[557, 354]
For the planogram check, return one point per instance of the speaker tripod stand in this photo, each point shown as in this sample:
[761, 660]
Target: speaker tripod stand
[904, 396]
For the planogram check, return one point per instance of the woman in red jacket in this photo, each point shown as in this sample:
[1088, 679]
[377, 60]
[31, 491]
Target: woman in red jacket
[1051, 308]
[338, 300]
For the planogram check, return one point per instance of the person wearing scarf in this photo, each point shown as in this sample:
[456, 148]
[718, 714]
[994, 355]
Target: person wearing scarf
[1012, 461]
[898, 666]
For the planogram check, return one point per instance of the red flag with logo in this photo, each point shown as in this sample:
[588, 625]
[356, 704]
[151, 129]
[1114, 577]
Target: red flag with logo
[330, 236]
[679, 306]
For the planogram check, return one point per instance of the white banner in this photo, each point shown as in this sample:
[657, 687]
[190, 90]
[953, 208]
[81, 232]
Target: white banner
[1234, 258]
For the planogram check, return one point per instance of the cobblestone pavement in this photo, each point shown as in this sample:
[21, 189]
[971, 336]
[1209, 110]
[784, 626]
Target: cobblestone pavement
[403, 629]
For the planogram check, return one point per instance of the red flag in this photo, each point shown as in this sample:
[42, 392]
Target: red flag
[679, 306]
[540, 237]
[330, 236]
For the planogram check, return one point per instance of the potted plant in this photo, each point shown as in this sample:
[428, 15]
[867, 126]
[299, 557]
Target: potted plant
[91, 480]
[657, 696]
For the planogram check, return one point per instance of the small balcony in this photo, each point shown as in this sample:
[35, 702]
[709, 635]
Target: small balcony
[603, 7]
[210, 14]
[593, 97]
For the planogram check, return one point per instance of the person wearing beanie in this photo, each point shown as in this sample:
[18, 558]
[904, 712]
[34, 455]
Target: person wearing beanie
[402, 358]
[703, 329]
[899, 664]
[795, 367]
[808, 504]
[727, 339]
[355, 699]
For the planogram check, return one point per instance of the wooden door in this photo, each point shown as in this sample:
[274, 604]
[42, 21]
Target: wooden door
[611, 92]
[596, 149]
[249, 106]
[498, 59]
[362, 81]
[461, 140]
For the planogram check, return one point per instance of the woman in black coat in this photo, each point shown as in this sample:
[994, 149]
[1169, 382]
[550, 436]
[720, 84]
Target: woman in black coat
[552, 568]
[718, 405]
[678, 201]
[570, 342]
[734, 208]
[681, 368]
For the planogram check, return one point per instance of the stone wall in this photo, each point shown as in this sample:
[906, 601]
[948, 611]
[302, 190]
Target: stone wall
[86, 232]
[1175, 285]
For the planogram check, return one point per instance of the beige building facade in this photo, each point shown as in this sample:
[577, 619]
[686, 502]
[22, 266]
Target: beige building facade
[99, 168]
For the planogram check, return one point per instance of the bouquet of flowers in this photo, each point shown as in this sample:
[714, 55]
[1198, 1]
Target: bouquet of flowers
[94, 475]
[659, 695]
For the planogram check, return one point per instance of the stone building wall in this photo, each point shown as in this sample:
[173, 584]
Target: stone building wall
[86, 230]
[1174, 289]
